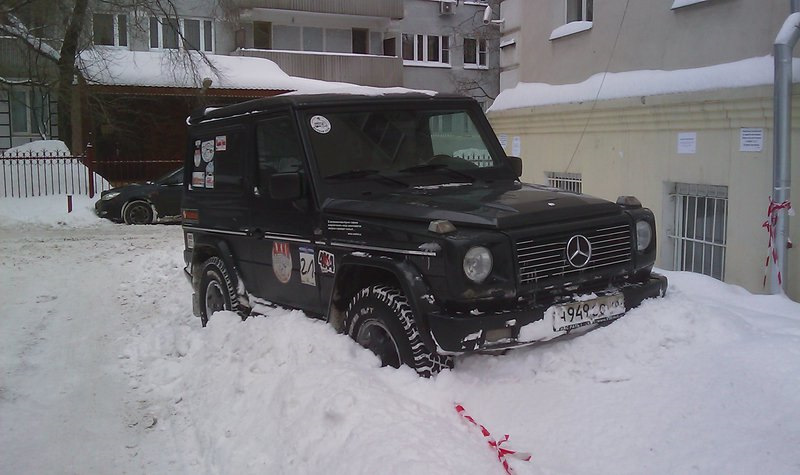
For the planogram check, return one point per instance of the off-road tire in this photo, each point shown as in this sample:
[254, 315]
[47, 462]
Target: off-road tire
[137, 212]
[214, 275]
[386, 307]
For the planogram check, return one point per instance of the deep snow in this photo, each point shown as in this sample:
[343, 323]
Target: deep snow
[105, 370]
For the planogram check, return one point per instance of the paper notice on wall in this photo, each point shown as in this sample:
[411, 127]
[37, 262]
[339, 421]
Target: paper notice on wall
[687, 143]
[516, 146]
[751, 139]
[503, 138]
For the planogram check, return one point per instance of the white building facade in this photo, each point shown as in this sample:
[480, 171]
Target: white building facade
[670, 101]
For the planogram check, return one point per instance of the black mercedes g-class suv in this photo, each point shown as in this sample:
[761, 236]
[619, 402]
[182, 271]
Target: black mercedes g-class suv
[400, 220]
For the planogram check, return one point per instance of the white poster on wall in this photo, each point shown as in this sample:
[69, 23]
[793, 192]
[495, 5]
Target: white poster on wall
[516, 146]
[687, 143]
[751, 139]
[503, 138]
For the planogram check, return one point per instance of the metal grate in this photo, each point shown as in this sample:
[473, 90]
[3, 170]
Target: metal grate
[543, 258]
[565, 181]
[701, 220]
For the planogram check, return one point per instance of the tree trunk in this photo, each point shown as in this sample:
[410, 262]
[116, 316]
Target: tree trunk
[67, 70]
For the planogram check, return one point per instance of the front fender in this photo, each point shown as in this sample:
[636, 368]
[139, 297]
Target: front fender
[408, 277]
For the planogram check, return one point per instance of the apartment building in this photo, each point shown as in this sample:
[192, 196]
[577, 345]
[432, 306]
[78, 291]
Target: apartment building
[667, 100]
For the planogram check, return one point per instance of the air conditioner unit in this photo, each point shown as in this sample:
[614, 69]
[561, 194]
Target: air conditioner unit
[445, 8]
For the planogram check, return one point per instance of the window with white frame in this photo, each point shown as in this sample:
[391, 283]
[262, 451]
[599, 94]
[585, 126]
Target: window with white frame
[565, 181]
[29, 109]
[426, 49]
[474, 53]
[579, 10]
[110, 30]
[700, 228]
[192, 33]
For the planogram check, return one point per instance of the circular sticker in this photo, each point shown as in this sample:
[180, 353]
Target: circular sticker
[210, 167]
[320, 124]
[208, 151]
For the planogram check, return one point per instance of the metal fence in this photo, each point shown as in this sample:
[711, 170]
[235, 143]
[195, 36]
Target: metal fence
[27, 174]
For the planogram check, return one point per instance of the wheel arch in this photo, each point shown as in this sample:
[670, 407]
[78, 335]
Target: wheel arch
[356, 272]
[205, 249]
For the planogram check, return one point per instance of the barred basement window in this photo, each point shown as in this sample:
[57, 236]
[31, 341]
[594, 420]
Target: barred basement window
[701, 221]
[565, 181]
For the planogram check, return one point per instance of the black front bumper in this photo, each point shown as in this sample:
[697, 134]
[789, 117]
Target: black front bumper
[463, 333]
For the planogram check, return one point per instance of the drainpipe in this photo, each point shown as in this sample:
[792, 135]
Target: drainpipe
[781, 163]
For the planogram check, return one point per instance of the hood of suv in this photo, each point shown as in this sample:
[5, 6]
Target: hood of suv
[499, 205]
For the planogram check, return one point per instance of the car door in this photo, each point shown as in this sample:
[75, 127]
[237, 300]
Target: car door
[167, 198]
[282, 242]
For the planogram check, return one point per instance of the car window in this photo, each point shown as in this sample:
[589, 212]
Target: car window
[278, 147]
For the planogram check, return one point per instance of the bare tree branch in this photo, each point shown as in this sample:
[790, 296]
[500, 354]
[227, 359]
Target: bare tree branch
[14, 27]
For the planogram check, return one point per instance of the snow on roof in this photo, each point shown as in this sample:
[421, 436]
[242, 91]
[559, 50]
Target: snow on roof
[747, 72]
[119, 67]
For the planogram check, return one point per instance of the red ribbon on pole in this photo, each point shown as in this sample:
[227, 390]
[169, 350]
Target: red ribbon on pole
[502, 452]
[769, 224]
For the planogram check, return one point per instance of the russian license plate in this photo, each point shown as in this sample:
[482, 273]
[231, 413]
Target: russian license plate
[578, 314]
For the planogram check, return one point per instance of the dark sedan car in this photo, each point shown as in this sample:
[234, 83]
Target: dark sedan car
[153, 202]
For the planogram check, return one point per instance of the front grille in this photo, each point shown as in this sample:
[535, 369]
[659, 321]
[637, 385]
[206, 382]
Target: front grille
[544, 258]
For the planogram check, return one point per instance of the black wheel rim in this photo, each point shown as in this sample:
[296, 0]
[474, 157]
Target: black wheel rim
[374, 336]
[215, 300]
[138, 214]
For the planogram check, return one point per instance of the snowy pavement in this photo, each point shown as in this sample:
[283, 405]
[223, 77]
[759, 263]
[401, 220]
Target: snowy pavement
[105, 370]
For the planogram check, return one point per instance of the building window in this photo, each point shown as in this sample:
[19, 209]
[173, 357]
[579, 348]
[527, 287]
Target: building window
[700, 234]
[29, 111]
[565, 181]
[110, 30]
[474, 53]
[196, 34]
[579, 10]
[430, 49]
[262, 35]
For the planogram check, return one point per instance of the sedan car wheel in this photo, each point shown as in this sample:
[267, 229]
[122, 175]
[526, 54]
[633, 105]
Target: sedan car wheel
[138, 212]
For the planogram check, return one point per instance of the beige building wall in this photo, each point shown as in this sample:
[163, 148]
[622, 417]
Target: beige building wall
[629, 147]
[646, 35]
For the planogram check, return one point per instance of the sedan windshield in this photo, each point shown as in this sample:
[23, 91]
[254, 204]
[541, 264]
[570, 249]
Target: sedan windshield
[373, 143]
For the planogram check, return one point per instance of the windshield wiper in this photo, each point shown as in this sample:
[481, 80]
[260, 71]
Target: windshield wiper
[437, 166]
[364, 173]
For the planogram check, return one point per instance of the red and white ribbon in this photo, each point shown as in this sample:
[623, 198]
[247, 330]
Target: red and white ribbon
[502, 452]
[770, 223]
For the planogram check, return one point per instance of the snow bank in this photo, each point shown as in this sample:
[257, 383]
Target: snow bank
[38, 147]
[704, 380]
[49, 211]
[748, 72]
[45, 167]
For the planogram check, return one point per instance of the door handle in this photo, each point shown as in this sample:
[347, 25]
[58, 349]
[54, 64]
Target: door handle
[258, 233]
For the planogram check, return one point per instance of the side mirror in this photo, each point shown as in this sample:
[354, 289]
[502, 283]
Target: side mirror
[285, 186]
[516, 165]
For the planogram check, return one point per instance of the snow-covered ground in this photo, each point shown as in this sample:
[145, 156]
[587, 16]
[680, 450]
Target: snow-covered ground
[104, 370]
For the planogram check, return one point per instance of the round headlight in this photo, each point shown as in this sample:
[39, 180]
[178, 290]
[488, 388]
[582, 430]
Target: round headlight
[644, 234]
[110, 196]
[478, 264]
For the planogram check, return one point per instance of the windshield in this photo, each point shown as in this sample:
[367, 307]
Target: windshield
[361, 144]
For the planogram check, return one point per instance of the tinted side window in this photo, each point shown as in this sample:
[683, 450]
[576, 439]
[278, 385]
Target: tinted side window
[278, 147]
[217, 163]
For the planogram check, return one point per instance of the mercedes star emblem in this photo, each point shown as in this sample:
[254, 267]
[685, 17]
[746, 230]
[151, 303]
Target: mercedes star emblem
[579, 251]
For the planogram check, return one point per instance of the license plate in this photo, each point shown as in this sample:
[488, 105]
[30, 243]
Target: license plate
[578, 314]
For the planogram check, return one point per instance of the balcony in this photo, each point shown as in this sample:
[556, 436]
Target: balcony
[384, 8]
[365, 70]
